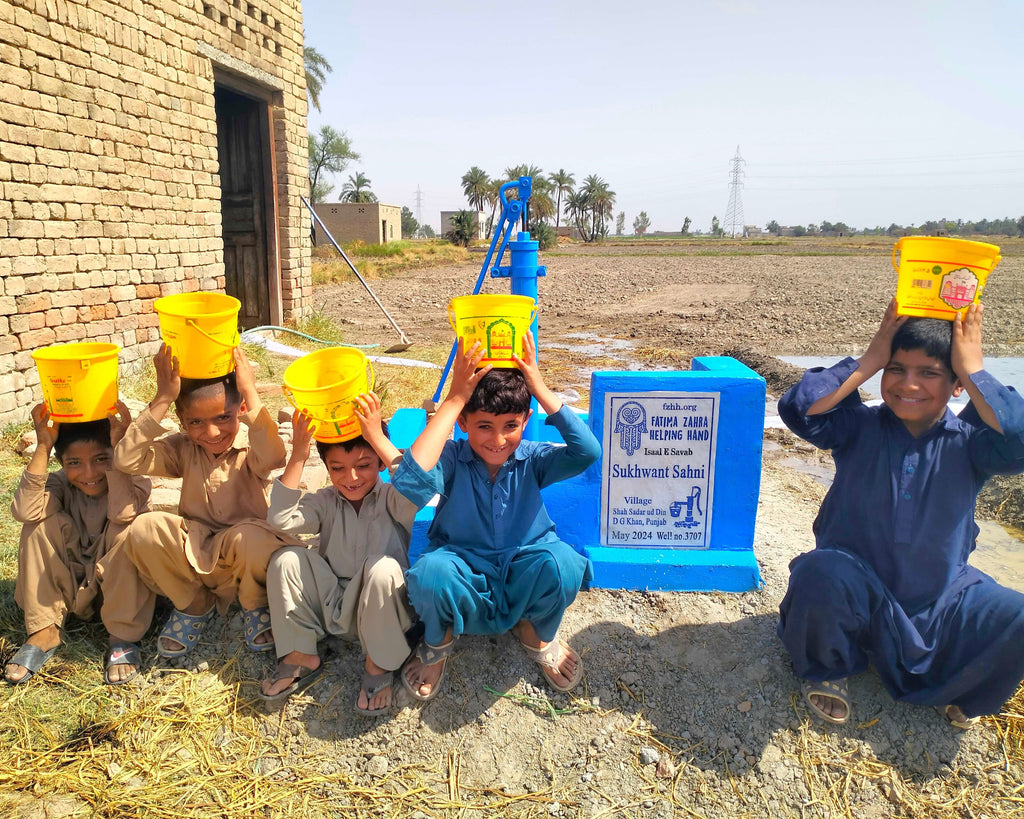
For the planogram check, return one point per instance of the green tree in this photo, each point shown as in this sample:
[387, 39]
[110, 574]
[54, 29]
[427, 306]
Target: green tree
[716, 230]
[330, 151]
[620, 223]
[542, 206]
[641, 223]
[464, 228]
[562, 183]
[773, 227]
[476, 186]
[410, 226]
[1020, 226]
[601, 201]
[799, 230]
[426, 231]
[686, 226]
[317, 69]
[357, 189]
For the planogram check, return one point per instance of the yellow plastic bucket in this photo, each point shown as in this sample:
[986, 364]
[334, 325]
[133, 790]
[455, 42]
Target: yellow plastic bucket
[497, 322]
[938, 277]
[79, 381]
[324, 385]
[202, 331]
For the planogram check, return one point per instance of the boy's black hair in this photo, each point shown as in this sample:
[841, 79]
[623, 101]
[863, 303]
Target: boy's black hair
[68, 434]
[500, 392]
[359, 441]
[201, 387]
[932, 336]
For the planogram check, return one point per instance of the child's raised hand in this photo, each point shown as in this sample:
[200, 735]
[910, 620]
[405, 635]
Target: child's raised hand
[168, 376]
[528, 364]
[119, 421]
[368, 413]
[966, 353]
[465, 375]
[302, 435]
[880, 349]
[245, 377]
[46, 433]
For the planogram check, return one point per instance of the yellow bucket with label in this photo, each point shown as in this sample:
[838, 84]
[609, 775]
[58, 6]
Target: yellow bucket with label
[940, 277]
[202, 331]
[497, 322]
[79, 381]
[324, 385]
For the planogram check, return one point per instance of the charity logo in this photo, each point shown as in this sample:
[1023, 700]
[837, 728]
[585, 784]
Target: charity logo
[501, 336]
[958, 287]
[630, 424]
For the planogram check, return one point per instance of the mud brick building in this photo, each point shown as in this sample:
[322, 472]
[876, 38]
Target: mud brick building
[370, 222]
[147, 147]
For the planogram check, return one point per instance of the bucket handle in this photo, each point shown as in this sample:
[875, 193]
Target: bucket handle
[192, 323]
[451, 317]
[895, 250]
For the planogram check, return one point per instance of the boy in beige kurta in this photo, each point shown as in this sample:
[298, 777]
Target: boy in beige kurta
[217, 547]
[353, 585]
[71, 559]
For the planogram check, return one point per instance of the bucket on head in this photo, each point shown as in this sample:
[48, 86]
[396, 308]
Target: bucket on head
[79, 381]
[939, 277]
[324, 385]
[497, 322]
[202, 331]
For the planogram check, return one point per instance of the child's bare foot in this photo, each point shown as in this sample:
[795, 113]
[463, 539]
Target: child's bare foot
[46, 639]
[564, 674]
[272, 686]
[375, 692]
[201, 604]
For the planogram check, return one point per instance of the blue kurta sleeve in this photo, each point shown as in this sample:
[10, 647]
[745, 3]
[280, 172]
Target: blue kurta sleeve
[827, 430]
[419, 485]
[990, 452]
[560, 462]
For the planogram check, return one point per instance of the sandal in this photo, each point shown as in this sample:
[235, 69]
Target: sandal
[121, 653]
[31, 658]
[962, 724]
[256, 622]
[302, 678]
[549, 658]
[428, 655]
[372, 685]
[833, 689]
[185, 629]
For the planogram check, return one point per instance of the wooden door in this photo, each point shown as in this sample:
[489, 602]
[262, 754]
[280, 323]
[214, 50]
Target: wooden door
[243, 146]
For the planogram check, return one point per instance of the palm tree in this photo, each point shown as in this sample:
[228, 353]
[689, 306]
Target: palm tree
[563, 182]
[463, 228]
[357, 189]
[577, 207]
[602, 203]
[475, 185]
[317, 69]
[541, 205]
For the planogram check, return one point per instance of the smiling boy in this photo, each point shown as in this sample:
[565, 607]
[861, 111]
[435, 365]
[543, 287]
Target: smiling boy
[353, 585]
[494, 562]
[217, 547]
[889, 583]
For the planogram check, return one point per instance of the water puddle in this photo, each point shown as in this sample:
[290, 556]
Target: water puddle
[1000, 553]
[595, 345]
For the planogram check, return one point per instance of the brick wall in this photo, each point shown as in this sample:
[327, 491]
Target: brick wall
[370, 222]
[109, 186]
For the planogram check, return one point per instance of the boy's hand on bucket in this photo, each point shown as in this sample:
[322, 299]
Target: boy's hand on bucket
[245, 379]
[966, 354]
[303, 428]
[879, 351]
[168, 378]
[119, 421]
[46, 433]
[534, 380]
[368, 412]
[465, 375]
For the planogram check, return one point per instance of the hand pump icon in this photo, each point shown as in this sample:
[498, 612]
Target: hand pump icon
[692, 501]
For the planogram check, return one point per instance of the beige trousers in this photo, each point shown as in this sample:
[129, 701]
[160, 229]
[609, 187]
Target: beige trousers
[308, 601]
[156, 546]
[55, 579]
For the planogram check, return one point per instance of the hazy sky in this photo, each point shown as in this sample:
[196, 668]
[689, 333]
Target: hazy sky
[867, 113]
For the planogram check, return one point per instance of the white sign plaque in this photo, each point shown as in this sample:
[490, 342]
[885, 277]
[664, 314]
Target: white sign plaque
[658, 482]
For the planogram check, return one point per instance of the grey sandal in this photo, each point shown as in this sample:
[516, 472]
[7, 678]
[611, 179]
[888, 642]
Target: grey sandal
[185, 629]
[428, 655]
[31, 658]
[372, 685]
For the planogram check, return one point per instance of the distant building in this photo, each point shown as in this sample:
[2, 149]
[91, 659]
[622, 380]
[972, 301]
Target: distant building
[752, 231]
[480, 222]
[370, 222]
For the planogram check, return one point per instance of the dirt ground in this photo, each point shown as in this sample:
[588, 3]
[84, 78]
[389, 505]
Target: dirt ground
[689, 707]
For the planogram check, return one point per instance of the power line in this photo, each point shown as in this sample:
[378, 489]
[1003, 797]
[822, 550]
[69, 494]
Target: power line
[734, 212]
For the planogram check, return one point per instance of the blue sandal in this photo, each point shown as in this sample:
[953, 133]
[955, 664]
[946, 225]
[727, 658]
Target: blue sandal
[185, 629]
[257, 622]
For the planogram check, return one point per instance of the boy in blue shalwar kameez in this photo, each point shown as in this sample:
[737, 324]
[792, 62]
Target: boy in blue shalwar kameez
[889, 583]
[494, 562]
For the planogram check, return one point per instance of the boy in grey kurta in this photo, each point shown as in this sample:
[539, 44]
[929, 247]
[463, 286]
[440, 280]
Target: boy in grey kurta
[353, 585]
